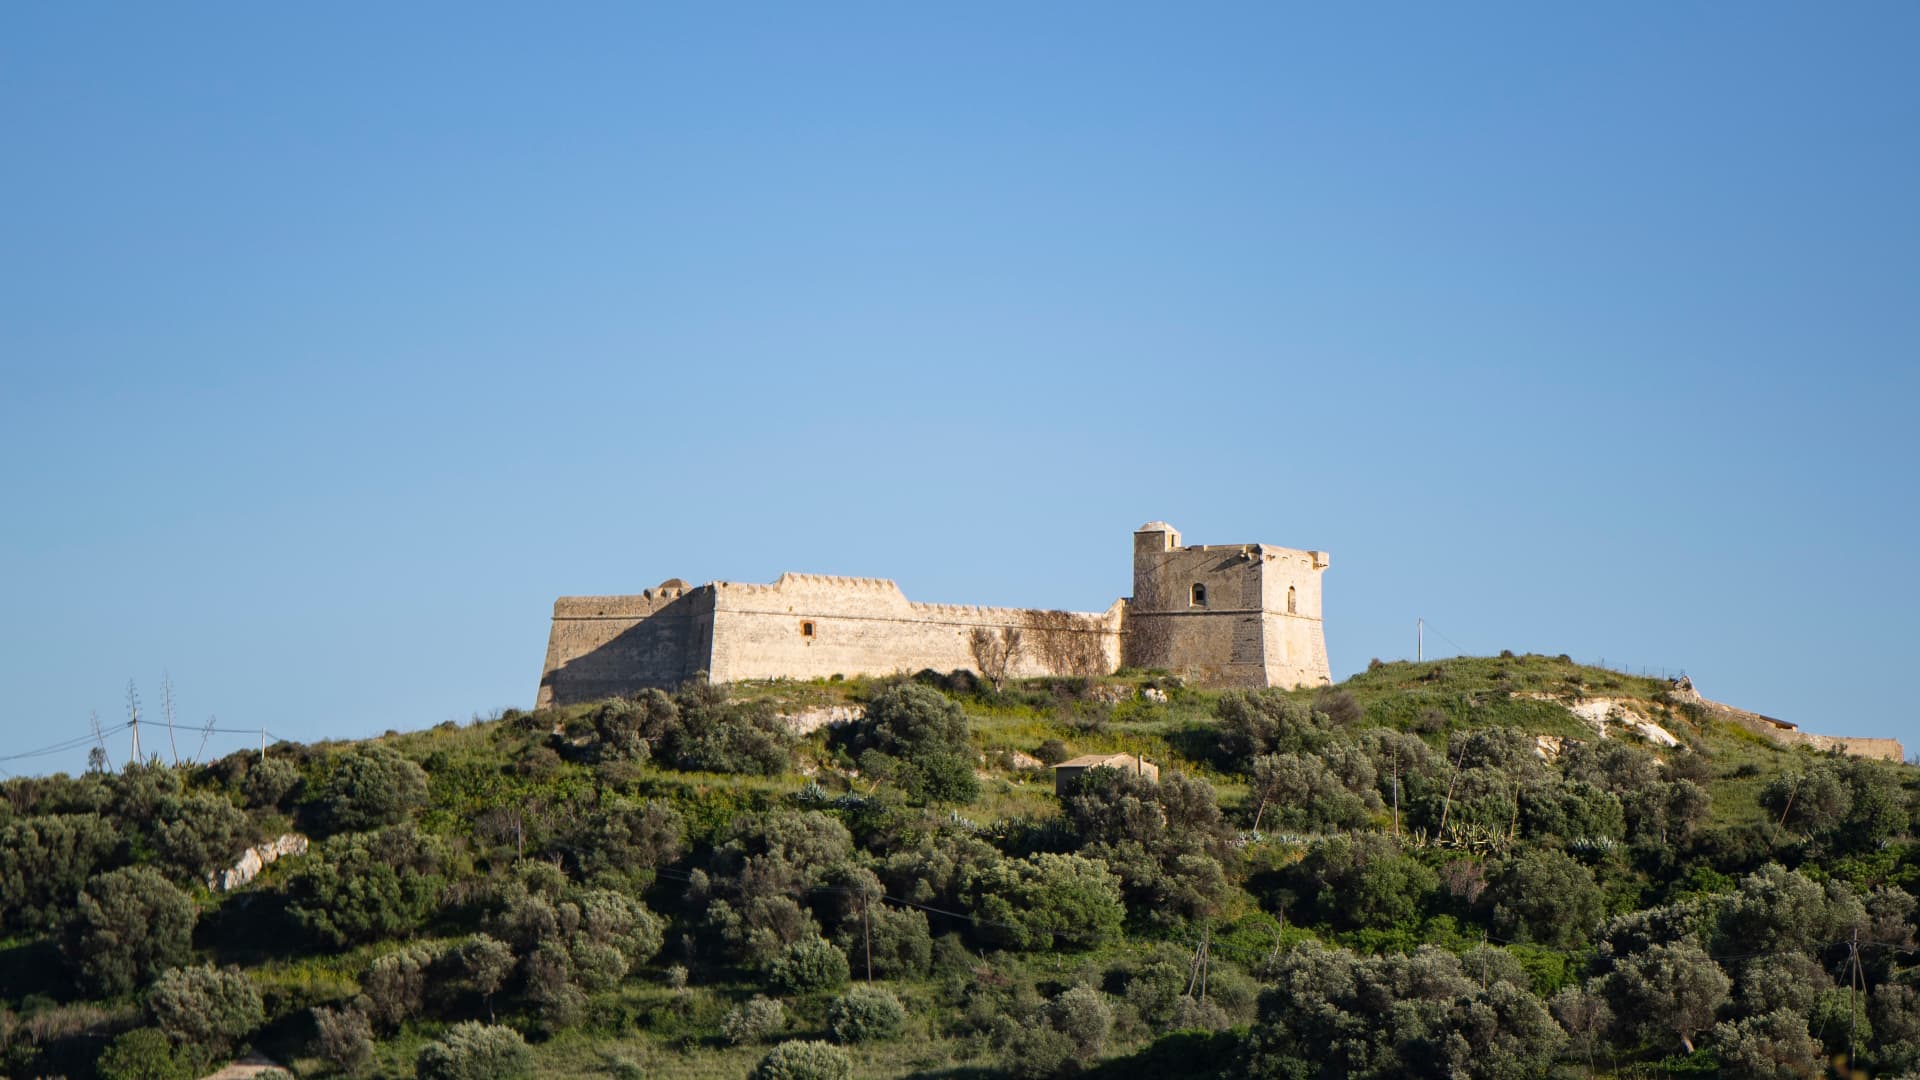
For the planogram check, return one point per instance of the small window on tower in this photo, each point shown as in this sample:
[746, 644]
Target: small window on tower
[806, 628]
[1290, 601]
[1199, 595]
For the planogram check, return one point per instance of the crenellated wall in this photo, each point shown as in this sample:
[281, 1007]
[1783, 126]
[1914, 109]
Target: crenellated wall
[605, 646]
[807, 626]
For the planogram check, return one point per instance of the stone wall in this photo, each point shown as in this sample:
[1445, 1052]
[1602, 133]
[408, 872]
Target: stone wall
[604, 646]
[1255, 621]
[804, 626]
[1782, 733]
[1226, 614]
[807, 626]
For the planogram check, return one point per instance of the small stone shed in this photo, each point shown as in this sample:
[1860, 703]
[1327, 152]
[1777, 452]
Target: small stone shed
[1067, 773]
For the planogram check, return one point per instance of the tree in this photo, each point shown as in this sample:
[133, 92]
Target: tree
[1673, 989]
[1584, 1015]
[128, 926]
[1771, 1046]
[994, 652]
[1045, 901]
[474, 1051]
[916, 736]
[1363, 881]
[1256, 722]
[1333, 1013]
[362, 887]
[372, 785]
[343, 1038]
[804, 1061]
[866, 1014]
[1781, 910]
[755, 1020]
[1544, 896]
[708, 732]
[146, 1054]
[45, 860]
[197, 834]
[205, 1007]
[1299, 792]
[394, 989]
[483, 964]
[809, 964]
[1165, 839]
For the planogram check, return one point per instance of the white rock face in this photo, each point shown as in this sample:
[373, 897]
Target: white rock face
[1155, 695]
[808, 721]
[254, 860]
[1602, 712]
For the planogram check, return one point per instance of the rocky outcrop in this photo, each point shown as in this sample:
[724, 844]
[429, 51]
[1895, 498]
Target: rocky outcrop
[254, 860]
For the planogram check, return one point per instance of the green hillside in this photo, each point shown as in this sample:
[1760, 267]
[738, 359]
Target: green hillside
[1433, 869]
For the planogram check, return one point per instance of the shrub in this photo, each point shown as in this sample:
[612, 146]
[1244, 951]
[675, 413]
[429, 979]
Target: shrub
[1544, 896]
[372, 785]
[44, 861]
[916, 736]
[205, 1007]
[475, 1051]
[268, 783]
[129, 925]
[395, 986]
[866, 1014]
[366, 886]
[804, 1061]
[625, 1068]
[754, 1020]
[809, 964]
[1045, 900]
[146, 1054]
[1255, 722]
[343, 1038]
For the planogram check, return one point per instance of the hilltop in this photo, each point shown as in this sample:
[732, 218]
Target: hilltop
[1534, 866]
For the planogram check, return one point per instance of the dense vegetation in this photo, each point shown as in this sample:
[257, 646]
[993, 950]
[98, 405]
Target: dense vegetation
[1395, 877]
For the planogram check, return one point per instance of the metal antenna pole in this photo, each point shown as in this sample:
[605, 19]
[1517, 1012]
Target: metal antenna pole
[166, 709]
[133, 718]
[1420, 643]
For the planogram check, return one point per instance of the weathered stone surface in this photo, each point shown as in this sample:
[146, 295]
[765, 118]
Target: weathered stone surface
[254, 860]
[1222, 615]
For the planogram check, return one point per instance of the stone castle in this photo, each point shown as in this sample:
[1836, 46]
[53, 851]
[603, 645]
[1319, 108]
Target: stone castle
[1226, 615]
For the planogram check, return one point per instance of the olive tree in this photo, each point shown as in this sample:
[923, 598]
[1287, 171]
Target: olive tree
[128, 926]
[205, 1007]
[475, 1051]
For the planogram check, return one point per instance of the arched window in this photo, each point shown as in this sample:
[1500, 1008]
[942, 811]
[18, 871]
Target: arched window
[1199, 595]
[1290, 601]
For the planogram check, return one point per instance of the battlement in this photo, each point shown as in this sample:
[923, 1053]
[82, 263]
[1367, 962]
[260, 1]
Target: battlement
[1258, 623]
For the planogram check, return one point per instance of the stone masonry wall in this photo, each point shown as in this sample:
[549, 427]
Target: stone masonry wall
[604, 646]
[812, 626]
[1243, 632]
[1220, 613]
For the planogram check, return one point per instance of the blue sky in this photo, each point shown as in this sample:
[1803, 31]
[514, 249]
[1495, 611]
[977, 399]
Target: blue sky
[336, 343]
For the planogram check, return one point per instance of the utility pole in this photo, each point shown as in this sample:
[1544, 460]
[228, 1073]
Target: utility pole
[133, 718]
[866, 931]
[1420, 642]
[1853, 981]
[166, 709]
[1396, 790]
[101, 738]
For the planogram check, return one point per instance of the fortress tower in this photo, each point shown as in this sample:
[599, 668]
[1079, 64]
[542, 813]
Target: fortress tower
[1226, 614]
